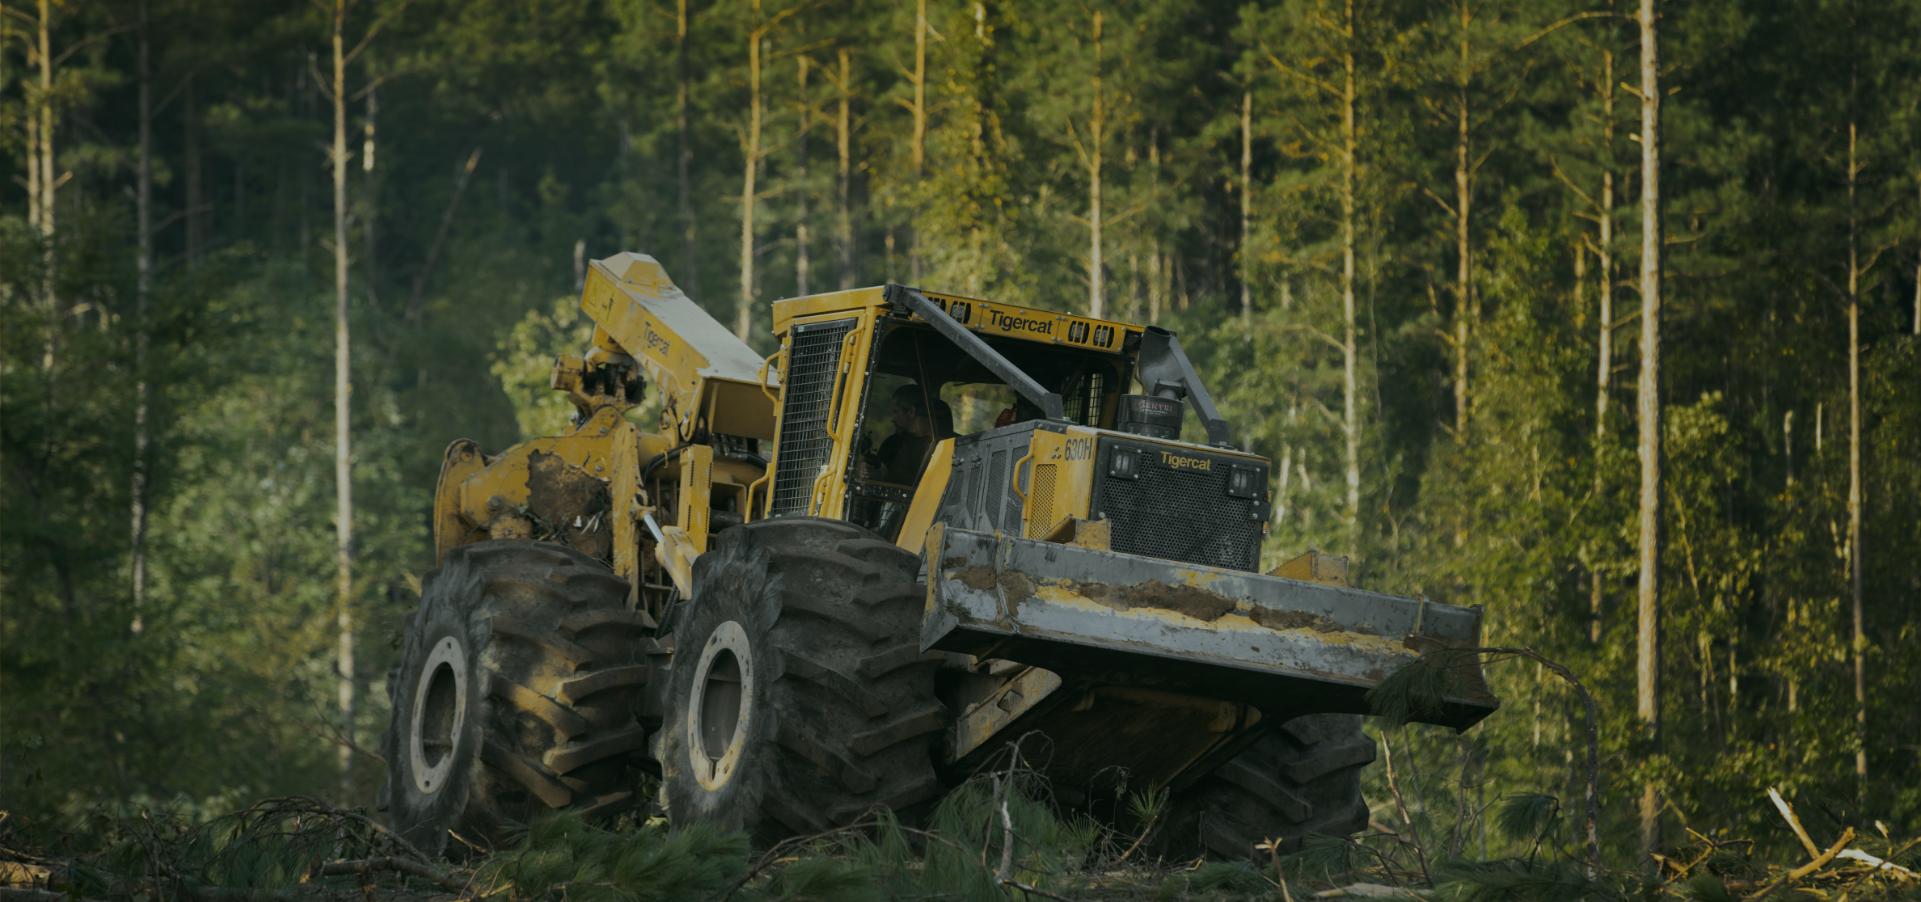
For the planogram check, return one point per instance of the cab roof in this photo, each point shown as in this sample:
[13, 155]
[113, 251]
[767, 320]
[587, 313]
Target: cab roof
[982, 316]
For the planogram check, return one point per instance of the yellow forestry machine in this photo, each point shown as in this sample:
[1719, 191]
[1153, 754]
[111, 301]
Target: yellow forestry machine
[844, 576]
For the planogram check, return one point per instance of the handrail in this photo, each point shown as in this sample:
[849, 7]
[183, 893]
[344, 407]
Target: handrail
[1016, 480]
[761, 378]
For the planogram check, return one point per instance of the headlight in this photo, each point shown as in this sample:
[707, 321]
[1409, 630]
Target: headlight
[1124, 463]
[1243, 481]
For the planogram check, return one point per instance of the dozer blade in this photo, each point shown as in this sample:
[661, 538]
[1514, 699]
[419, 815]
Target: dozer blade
[1101, 617]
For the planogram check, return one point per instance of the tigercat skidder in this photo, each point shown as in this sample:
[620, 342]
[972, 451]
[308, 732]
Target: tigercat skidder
[843, 576]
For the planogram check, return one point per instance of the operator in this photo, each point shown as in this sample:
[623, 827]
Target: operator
[900, 455]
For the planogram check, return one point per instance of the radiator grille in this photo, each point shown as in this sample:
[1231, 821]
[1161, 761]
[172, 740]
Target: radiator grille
[805, 445]
[1040, 499]
[1182, 515]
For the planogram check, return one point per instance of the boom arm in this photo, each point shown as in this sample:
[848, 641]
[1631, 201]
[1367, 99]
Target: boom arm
[705, 375]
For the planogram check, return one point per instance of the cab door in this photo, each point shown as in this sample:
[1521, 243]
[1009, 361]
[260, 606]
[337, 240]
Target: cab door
[823, 372]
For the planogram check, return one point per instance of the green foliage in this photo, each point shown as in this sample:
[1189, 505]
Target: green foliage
[524, 360]
[1419, 689]
[565, 857]
[1517, 879]
[1215, 880]
[1528, 816]
[979, 818]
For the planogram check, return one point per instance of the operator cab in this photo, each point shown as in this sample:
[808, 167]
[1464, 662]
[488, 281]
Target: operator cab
[925, 389]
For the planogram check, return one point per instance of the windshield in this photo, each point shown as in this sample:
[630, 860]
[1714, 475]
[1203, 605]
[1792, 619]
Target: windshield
[925, 389]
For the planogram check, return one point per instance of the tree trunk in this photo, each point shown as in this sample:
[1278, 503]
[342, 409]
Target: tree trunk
[1604, 357]
[920, 130]
[844, 177]
[1285, 480]
[370, 203]
[1155, 290]
[1463, 198]
[800, 175]
[744, 302]
[49, 184]
[1247, 203]
[343, 388]
[1350, 355]
[1859, 643]
[1096, 291]
[1648, 409]
[142, 292]
[1604, 371]
[689, 268]
[195, 215]
[32, 129]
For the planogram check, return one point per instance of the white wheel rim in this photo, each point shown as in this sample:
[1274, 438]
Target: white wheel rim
[726, 659]
[440, 709]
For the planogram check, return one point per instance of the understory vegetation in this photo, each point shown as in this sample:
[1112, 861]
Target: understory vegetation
[997, 836]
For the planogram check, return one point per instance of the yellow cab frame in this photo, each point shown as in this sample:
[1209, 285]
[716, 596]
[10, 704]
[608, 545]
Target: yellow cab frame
[1054, 477]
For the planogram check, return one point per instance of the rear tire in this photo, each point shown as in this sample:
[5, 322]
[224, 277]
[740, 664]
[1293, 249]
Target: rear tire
[1299, 778]
[515, 694]
[798, 698]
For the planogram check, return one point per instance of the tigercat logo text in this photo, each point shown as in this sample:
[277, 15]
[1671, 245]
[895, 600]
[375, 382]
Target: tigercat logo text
[1180, 462]
[656, 341]
[1007, 322]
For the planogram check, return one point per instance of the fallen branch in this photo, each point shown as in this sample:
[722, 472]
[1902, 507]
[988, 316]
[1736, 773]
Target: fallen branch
[1032, 890]
[1878, 864]
[1006, 869]
[1147, 829]
[24, 874]
[1787, 813]
[1367, 891]
[1820, 861]
[361, 866]
[1800, 832]
[1400, 806]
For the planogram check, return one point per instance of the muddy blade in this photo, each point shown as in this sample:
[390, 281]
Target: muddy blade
[1289, 647]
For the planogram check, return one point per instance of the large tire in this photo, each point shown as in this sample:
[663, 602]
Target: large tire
[798, 697]
[1299, 778]
[515, 694]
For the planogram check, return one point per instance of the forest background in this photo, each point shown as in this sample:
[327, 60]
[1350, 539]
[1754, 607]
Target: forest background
[253, 255]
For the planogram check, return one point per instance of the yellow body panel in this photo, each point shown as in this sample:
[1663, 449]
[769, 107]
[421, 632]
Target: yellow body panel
[703, 373]
[789, 312]
[927, 496]
[1059, 481]
[508, 495]
[696, 494]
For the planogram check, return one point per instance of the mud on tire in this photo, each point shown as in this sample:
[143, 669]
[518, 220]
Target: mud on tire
[515, 694]
[798, 698]
[1299, 778]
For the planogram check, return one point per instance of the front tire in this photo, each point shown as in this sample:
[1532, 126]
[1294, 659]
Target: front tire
[515, 695]
[798, 698]
[1299, 778]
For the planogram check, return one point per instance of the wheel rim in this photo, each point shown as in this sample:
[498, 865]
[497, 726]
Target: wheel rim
[440, 709]
[719, 710]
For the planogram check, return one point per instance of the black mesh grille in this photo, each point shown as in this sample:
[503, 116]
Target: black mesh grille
[805, 445]
[1181, 514]
[996, 477]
